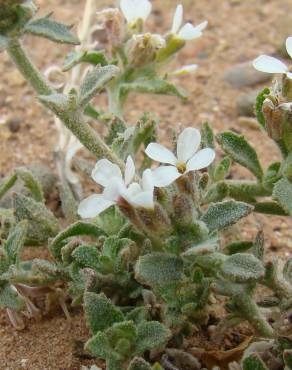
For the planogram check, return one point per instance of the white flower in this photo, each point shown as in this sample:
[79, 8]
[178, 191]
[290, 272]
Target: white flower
[188, 157]
[265, 63]
[134, 10]
[190, 68]
[109, 175]
[188, 31]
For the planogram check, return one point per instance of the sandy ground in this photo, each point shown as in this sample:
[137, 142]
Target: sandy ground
[238, 31]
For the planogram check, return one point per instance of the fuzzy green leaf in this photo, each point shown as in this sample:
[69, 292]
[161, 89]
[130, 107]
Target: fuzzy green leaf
[258, 249]
[15, 241]
[243, 268]
[222, 170]
[152, 86]
[287, 270]
[58, 103]
[157, 269]
[92, 57]
[283, 194]
[77, 229]
[241, 152]
[100, 312]
[42, 224]
[125, 330]
[221, 215]
[270, 208]
[87, 256]
[236, 247]
[94, 81]
[207, 136]
[254, 362]
[216, 193]
[31, 183]
[100, 346]
[259, 106]
[52, 30]
[151, 335]
[10, 299]
[139, 363]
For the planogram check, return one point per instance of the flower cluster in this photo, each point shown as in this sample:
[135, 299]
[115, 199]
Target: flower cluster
[119, 188]
[136, 13]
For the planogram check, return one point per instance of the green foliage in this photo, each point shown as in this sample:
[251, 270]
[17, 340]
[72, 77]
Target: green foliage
[283, 194]
[92, 57]
[241, 152]
[259, 106]
[151, 86]
[117, 340]
[254, 362]
[243, 268]
[9, 257]
[158, 269]
[94, 81]
[52, 30]
[42, 224]
[76, 229]
[100, 313]
[144, 276]
[221, 215]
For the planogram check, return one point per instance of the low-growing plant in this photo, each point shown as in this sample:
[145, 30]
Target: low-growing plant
[146, 255]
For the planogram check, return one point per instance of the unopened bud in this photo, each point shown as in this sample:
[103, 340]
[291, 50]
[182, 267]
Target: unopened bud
[155, 221]
[184, 210]
[287, 87]
[142, 49]
[274, 117]
[172, 46]
[15, 13]
[112, 21]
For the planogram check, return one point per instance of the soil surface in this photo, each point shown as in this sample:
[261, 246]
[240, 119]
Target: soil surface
[238, 31]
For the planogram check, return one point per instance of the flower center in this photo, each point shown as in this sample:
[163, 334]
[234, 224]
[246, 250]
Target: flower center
[181, 167]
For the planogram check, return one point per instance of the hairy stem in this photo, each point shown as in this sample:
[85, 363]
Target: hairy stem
[75, 123]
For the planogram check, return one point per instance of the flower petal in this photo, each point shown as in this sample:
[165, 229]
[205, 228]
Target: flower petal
[130, 192]
[130, 170]
[147, 180]
[93, 206]
[161, 154]
[113, 189]
[289, 46]
[187, 144]
[177, 19]
[104, 171]
[189, 32]
[265, 63]
[135, 9]
[201, 159]
[190, 68]
[144, 200]
[165, 175]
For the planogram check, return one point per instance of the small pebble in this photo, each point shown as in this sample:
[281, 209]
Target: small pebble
[14, 124]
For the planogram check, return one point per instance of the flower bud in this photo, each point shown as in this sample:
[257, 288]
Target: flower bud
[15, 13]
[112, 21]
[274, 117]
[287, 87]
[142, 49]
[172, 46]
[155, 221]
[184, 211]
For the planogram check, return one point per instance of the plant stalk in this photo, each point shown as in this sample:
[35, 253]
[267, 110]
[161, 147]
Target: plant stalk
[77, 125]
